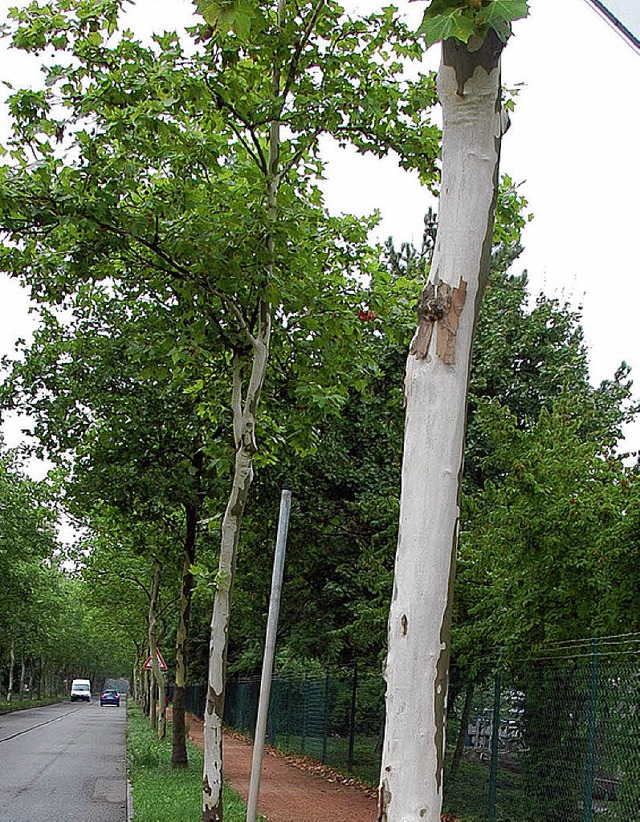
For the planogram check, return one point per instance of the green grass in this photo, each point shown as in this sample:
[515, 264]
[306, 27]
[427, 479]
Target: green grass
[161, 794]
[19, 704]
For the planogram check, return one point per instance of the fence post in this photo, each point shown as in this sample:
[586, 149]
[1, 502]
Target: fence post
[495, 730]
[272, 723]
[590, 759]
[325, 719]
[305, 690]
[352, 718]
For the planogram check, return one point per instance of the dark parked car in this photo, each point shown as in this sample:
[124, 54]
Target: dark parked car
[110, 698]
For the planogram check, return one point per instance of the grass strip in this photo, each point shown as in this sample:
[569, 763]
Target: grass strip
[161, 794]
[22, 704]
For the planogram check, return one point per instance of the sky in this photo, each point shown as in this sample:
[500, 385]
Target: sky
[573, 147]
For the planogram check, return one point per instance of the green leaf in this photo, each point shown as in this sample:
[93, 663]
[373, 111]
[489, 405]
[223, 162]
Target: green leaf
[437, 7]
[209, 10]
[224, 15]
[504, 11]
[455, 23]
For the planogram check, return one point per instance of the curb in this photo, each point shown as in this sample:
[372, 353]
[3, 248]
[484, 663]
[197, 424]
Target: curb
[129, 801]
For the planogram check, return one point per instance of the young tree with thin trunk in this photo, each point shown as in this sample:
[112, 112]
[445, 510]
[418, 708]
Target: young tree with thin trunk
[436, 385]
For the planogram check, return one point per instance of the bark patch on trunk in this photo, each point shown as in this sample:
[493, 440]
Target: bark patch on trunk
[442, 305]
[464, 61]
[448, 325]
[384, 798]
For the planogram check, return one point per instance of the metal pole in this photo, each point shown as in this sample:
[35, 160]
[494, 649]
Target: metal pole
[269, 654]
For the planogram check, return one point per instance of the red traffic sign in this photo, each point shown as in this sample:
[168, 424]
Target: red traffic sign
[148, 665]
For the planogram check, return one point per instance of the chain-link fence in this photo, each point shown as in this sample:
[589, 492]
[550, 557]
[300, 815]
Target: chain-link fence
[334, 717]
[561, 735]
[554, 739]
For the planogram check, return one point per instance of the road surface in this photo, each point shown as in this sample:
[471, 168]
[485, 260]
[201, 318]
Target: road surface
[63, 762]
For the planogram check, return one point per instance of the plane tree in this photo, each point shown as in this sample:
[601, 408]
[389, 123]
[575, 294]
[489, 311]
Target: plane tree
[473, 35]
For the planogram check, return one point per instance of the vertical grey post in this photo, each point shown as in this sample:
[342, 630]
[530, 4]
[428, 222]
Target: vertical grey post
[269, 654]
[590, 760]
[495, 730]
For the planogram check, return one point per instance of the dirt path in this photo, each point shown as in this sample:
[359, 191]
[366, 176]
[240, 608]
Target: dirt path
[288, 791]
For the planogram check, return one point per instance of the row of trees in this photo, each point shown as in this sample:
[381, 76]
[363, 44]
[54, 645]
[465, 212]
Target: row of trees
[196, 299]
[49, 630]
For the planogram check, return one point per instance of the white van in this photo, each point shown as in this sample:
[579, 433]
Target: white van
[81, 689]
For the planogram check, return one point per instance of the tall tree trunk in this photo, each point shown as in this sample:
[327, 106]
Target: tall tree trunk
[23, 671]
[153, 703]
[156, 677]
[137, 686]
[12, 662]
[436, 384]
[244, 426]
[244, 421]
[31, 664]
[179, 742]
[146, 693]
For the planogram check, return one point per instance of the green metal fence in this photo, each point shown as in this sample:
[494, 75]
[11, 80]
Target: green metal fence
[334, 717]
[555, 738]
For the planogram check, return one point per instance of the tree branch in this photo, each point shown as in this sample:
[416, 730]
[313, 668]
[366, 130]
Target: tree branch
[302, 42]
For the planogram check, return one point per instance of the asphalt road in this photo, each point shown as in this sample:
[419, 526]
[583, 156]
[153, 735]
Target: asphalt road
[63, 762]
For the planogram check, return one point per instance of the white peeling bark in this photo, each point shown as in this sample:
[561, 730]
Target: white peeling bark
[158, 709]
[244, 416]
[436, 391]
[244, 423]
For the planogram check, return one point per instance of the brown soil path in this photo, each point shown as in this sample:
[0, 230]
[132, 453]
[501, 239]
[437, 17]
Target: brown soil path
[288, 791]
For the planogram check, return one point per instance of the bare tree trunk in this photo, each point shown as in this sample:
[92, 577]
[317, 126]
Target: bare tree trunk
[437, 375]
[153, 703]
[244, 425]
[158, 717]
[162, 705]
[179, 743]
[12, 662]
[42, 666]
[23, 670]
[244, 420]
[137, 686]
[31, 664]
[146, 693]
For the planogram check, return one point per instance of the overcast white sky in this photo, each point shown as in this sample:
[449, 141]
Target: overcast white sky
[573, 143]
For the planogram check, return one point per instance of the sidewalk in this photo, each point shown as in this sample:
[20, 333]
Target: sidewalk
[289, 792]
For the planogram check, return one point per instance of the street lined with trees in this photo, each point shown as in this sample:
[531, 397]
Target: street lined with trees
[204, 318]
